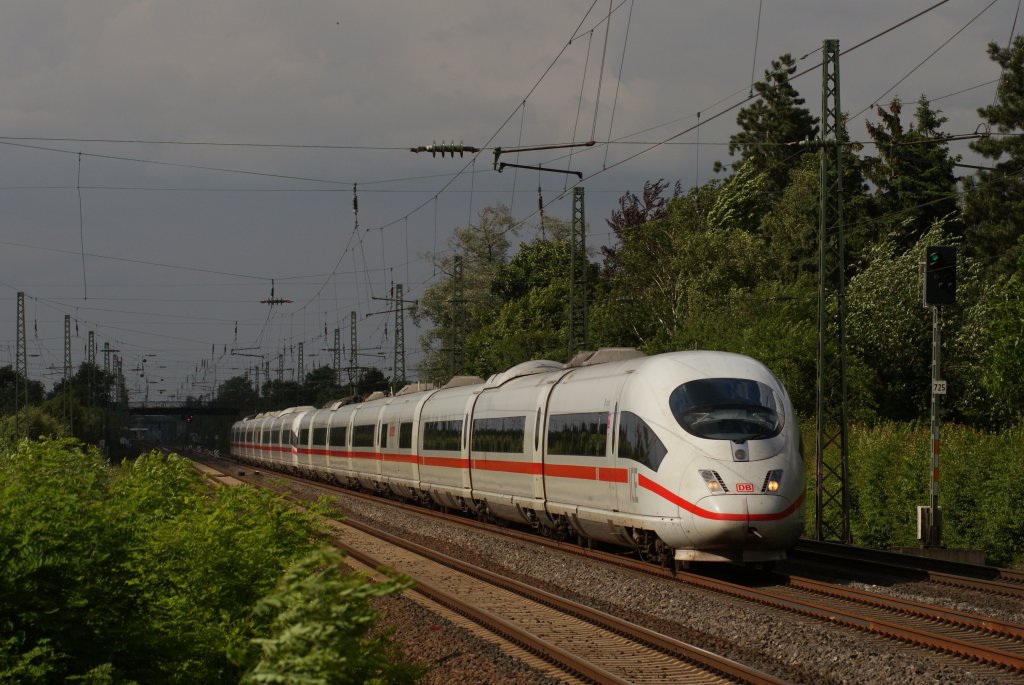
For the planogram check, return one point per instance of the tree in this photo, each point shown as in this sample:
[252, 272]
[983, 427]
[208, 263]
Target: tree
[671, 269]
[10, 382]
[913, 178]
[483, 249]
[774, 126]
[635, 211]
[994, 202]
[1003, 368]
[320, 623]
[531, 322]
[236, 392]
[90, 386]
[321, 386]
[282, 394]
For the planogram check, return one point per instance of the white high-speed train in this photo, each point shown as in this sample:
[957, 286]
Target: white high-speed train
[684, 456]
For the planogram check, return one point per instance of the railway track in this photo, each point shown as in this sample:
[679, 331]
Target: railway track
[583, 642]
[971, 638]
[999, 581]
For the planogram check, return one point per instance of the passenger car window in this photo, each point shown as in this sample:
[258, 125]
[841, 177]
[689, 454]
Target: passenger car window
[638, 442]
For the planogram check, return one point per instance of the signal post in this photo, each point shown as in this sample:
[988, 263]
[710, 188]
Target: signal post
[939, 291]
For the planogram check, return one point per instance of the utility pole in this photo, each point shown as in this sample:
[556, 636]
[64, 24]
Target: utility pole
[301, 374]
[106, 358]
[91, 357]
[68, 419]
[578, 276]
[280, 367]
[939, 290]
[832, 501]
[353, 355]
[21, 374]
[337, 357]
[399, 370]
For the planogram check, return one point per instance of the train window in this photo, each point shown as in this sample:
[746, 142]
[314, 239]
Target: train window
[638, 442]
[405, 435]
[266, 437]
[442, 435]
[735, 409]
[506, 434]
[362, 436]
[580, 435]
[319, 436]
[338, 436]
[304, 437]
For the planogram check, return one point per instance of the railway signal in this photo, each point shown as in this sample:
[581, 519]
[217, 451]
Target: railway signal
[939, 276]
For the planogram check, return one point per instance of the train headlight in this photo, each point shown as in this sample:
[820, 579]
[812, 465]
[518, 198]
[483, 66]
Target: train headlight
[772, 481]
[713, 481]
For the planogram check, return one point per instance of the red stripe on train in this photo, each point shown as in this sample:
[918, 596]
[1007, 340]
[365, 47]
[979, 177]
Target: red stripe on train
[661, 491]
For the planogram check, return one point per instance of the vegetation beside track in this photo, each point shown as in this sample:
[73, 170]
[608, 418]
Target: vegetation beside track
[142, 573]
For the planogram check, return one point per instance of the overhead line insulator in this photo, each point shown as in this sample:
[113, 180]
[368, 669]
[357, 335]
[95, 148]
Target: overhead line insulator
[445, 148]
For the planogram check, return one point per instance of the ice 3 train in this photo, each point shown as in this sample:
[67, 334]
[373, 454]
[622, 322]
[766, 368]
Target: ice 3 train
[683, 456]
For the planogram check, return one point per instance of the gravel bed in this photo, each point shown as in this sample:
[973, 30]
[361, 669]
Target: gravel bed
[450, 653]
[793, 648]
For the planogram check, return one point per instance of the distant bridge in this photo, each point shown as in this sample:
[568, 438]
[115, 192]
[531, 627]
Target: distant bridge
[182, 410]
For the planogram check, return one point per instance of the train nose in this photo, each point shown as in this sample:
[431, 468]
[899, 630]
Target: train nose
[750, 521]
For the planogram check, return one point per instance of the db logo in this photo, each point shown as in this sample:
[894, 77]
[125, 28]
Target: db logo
[744, 487]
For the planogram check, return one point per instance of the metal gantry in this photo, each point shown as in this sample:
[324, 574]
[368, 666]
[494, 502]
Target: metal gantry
[337, 356]
[68, 419]
[353, 355]
[21, 372]
[832, 494]
[578, 276]
[399, 335]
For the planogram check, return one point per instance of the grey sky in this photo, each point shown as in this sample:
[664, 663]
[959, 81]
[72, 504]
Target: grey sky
[369, 79]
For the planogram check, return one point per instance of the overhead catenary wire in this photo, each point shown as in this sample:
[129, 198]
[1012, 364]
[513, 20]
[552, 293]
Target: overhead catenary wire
[435, 196]
[81, 227]
[618, 81]
[930, 55]
[757, 37]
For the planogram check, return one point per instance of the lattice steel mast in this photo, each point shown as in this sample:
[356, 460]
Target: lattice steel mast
[578, 276]
[832, 495]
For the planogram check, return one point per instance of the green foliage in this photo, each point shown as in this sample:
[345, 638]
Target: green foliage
[320, 621]
[994, 207]
[236, 392]
[773, 125]
[9, 382]
[889, 468]
[913, 179]
[887, 324]
[981, 487]
[33, 423]
[1003, 367]
[790, 229]
[530, 323]
[141, 573]
[743, 200]
[483, 251]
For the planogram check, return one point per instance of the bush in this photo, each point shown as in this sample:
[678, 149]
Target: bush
[141, 573]
[981, 487]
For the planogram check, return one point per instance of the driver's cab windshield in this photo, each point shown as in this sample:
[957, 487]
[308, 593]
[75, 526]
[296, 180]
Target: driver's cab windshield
[735, 409]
